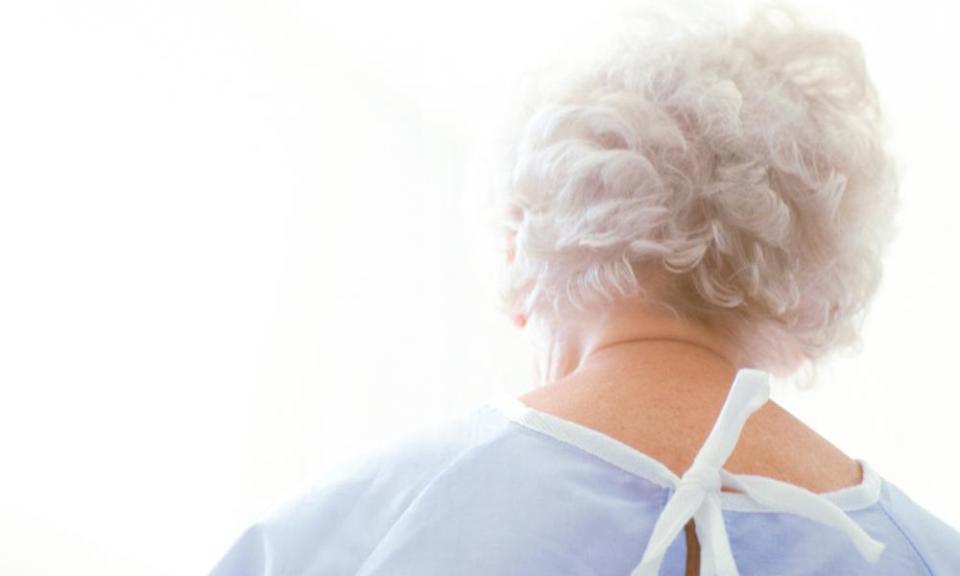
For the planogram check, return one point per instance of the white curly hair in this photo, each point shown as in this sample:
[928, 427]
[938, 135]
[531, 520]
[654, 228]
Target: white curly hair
[735, 172]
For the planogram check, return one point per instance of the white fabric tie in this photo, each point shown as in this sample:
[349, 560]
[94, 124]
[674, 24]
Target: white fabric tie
[697, 494]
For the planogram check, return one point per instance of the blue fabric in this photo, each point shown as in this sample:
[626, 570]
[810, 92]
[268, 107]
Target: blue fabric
[484, 495]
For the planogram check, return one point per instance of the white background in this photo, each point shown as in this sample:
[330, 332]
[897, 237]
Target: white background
[232, 256]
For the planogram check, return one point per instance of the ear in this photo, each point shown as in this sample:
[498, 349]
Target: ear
[519, 320]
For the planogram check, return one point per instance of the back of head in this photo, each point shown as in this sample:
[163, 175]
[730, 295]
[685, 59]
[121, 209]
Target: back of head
[731, 169]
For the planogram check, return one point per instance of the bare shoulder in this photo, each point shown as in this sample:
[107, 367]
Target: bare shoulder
[781, 446]
[773, 443]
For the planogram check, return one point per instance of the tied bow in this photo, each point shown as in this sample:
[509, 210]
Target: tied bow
[697, 494]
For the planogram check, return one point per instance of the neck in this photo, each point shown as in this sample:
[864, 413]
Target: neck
[660, 391]
[629, 339]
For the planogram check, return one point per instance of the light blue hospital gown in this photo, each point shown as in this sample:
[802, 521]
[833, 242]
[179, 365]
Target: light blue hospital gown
[506, 490]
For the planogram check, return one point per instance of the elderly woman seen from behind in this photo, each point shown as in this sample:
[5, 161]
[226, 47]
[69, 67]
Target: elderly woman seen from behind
[703, 206]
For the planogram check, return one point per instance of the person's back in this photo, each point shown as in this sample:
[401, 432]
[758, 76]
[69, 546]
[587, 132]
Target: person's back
[513, 491]
[667, 429]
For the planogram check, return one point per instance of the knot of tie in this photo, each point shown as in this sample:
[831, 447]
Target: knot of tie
[707, 478]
